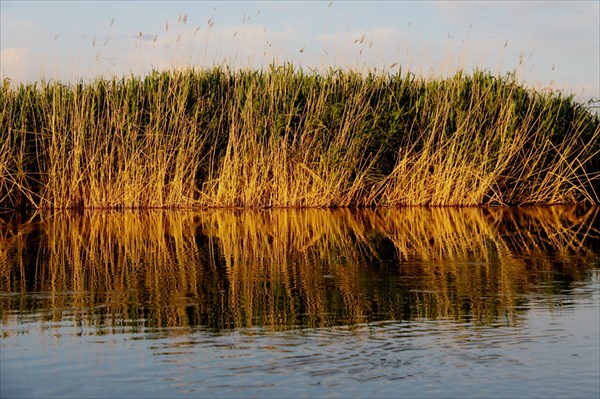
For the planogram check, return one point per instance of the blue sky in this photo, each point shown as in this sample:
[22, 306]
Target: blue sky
[551, 45]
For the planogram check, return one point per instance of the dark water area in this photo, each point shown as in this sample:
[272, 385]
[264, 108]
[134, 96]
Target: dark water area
[415, 302]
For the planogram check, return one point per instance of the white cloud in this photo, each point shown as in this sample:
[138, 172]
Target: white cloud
[15, 63]
[19, 26]
[13, 57]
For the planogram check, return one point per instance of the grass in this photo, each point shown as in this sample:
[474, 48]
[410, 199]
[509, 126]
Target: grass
[284, 137]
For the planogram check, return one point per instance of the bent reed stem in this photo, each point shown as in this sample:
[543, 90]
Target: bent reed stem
[284, 137]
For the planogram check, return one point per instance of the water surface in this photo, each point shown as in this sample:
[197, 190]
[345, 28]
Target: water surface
[484, 302]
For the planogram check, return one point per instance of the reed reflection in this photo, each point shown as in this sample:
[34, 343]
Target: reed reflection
[223, 269]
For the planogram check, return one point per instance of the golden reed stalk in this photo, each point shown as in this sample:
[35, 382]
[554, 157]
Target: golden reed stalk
[282, 137]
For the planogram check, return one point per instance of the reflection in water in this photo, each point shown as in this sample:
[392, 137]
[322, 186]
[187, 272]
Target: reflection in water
[277, 269]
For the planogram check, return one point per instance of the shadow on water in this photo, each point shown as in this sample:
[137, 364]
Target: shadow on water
[286, 269]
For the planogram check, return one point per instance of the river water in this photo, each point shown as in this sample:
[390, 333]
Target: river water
[417, 302]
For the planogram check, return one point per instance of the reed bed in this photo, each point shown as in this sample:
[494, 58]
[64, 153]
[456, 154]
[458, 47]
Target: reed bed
[284, 137]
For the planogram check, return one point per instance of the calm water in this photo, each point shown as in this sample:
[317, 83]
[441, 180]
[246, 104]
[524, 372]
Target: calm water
[389, 303]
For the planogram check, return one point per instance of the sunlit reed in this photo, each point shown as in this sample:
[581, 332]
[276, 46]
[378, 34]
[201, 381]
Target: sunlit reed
[284, 137]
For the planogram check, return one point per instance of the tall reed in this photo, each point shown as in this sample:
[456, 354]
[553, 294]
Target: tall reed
[284, 137]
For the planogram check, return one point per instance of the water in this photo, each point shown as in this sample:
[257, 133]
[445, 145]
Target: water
[390, 303]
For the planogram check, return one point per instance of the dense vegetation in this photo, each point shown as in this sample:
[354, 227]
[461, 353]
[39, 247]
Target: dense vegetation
[284, 137]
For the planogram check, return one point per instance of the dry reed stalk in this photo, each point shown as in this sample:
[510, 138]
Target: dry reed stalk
[287, 138]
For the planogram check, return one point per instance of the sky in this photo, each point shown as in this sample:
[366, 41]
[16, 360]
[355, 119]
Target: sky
[551, 45]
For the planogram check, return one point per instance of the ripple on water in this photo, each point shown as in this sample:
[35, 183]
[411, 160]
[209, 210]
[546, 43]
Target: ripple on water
[423, 327]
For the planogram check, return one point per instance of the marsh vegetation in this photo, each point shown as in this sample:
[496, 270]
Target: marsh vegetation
[285, 137]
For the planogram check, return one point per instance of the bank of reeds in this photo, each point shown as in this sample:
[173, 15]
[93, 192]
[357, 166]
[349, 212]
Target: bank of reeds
[284, 137]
